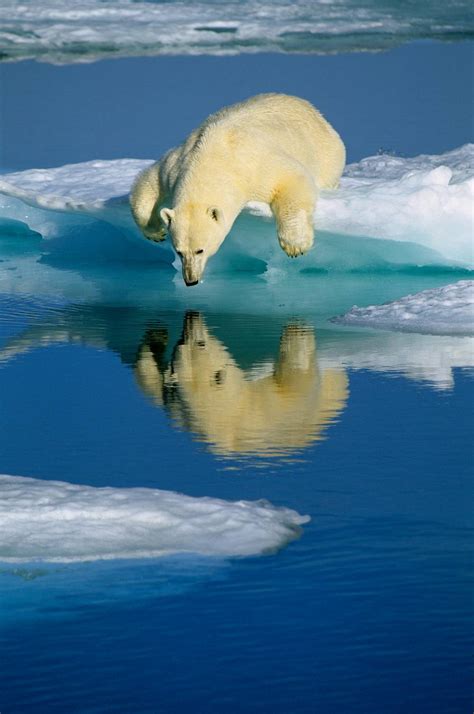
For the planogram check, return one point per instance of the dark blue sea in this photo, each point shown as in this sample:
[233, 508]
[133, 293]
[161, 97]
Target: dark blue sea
[368, 610]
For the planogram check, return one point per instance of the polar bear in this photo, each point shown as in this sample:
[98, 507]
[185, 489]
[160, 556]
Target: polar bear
[271, 148]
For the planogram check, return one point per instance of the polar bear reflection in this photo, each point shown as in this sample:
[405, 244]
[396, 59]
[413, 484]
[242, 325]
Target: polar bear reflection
[283, 409]
[274, 408]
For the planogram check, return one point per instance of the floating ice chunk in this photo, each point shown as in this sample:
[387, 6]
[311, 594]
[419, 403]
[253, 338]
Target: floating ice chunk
[62, 522]
[396, 212]
[440, 311]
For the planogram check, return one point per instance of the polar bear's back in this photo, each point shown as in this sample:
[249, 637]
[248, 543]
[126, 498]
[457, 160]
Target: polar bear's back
[265, 110]
[285, 124]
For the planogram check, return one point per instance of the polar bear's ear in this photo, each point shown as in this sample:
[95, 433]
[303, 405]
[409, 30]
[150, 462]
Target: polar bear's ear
[166, 214]
[215, 213]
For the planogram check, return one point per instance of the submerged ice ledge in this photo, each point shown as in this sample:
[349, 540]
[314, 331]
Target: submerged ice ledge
[441, 311]
[388, 211]
[62, 522]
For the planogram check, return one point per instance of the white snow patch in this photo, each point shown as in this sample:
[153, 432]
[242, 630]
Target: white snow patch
[441, 311]
[63, 522]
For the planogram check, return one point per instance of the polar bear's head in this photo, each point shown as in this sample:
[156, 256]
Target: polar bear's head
[197, 231]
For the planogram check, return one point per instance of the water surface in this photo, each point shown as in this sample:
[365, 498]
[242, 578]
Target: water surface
[112, 374]
[368, 433]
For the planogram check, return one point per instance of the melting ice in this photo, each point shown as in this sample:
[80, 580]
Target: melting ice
[61, 522]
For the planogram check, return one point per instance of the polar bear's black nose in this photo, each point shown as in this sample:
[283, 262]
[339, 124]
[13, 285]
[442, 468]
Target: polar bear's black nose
[195, 282]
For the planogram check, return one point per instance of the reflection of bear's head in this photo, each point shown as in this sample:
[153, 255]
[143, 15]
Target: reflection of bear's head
[197, 232]
[274, 408]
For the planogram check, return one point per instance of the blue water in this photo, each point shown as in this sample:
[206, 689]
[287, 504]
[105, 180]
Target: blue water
[368, 611]
[412, 100]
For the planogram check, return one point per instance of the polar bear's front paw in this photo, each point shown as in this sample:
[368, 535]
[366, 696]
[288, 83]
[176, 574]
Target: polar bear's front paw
[156, 236]
[155, 239]
[293, 248]
[296, 243]
[296, 236]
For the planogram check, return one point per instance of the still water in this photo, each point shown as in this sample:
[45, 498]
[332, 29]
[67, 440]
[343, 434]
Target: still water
[365, 608]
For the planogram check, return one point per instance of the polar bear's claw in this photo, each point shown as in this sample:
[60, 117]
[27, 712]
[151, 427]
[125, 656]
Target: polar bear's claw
[294, 248]
[155, 237]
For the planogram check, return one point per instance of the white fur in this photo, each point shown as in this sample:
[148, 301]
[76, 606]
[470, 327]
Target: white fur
[272, 148]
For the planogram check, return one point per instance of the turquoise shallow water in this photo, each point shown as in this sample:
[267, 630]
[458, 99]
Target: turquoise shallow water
[369, 609]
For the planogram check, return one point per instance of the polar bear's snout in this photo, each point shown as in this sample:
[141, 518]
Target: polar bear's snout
[193, 267]
[191, 273]
[195, 235]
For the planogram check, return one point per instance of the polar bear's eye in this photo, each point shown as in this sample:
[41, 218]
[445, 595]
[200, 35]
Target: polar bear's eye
[201, 250]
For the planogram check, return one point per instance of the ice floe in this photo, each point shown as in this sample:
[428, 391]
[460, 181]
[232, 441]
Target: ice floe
[441, 311]
[60, 31]
[388, 213]
[62, 522]
[427, 200]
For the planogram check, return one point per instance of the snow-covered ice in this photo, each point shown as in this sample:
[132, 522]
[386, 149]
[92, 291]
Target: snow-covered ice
[388, 212]
[61, 522]
[441, 311]
[61, 31]
[427, 200]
